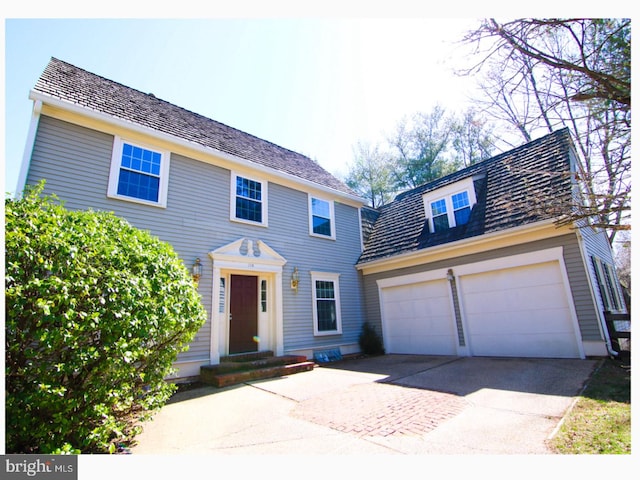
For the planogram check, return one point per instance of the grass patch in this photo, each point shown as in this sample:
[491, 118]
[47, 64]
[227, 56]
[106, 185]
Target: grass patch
[600, 422]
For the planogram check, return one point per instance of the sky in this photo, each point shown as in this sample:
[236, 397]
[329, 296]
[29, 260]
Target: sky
[313, 85]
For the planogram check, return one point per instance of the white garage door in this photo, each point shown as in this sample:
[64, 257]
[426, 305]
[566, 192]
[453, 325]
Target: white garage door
[521, 311]
[418, 319]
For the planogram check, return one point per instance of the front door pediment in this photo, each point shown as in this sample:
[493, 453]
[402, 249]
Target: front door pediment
[248, 251]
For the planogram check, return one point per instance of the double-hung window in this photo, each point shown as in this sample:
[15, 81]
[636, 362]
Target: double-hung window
[450, 206]
[608, 285]
[326, 303]
[138, 173]
[248, 200]
[321, 218]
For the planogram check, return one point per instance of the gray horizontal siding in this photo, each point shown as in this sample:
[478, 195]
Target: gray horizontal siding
[75, 162]
[585, 309]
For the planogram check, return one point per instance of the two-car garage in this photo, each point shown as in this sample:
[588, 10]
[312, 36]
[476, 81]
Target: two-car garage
[515, 306]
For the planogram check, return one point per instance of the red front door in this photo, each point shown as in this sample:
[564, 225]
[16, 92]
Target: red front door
[243, 309]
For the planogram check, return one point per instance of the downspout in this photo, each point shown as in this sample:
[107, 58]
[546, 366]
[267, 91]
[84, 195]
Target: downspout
[603, 326]
[28, 149]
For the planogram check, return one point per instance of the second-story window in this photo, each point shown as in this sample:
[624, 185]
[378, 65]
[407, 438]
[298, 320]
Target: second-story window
[248, 202]
[321, 218]
[138, 173]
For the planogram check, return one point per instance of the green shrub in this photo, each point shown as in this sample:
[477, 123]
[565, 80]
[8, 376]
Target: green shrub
[369, 341]
[96, 313]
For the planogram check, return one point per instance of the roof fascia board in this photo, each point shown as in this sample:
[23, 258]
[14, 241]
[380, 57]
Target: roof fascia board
[468, 246]
[233, 162]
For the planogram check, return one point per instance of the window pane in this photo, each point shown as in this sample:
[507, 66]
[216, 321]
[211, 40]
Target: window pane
[438, 208]
[327, 319]
[320, 208]
[248, 188]
[440, 223]
[248, 209]
[322, 226]
[137, 185]
[460, 200]
[263, 295]
[324, 289]
[462, 215]
[611, 286]
[221, 295]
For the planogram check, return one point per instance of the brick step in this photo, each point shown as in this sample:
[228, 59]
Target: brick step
[244, 357]
[211, 377]
[229, 365]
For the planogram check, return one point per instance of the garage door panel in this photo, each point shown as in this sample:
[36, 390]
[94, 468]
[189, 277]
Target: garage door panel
[527, 345]
[520, 311]
[523, 299]
[538, 275]
[549, 320]
[418, 319]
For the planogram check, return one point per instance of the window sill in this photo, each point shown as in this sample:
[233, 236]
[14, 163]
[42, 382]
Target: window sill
[248, 222]
[138, 201]
[326, 334]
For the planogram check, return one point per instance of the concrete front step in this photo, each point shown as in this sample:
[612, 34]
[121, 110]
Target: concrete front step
[235, 372]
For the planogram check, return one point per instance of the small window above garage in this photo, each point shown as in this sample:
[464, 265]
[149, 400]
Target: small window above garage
[449, 206]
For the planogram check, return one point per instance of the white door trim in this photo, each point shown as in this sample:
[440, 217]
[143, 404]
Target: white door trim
[252, 257]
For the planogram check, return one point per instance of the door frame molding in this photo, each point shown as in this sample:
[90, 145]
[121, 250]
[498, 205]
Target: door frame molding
[246, 257]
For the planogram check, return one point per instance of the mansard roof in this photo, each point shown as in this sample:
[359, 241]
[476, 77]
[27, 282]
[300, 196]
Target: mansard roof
[528, 184]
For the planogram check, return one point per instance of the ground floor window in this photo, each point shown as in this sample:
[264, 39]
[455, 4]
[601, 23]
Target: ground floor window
[326, 303]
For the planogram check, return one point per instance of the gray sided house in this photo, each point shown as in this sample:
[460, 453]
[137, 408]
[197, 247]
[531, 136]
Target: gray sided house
[293, 262]
[253, 212]
[477, 263]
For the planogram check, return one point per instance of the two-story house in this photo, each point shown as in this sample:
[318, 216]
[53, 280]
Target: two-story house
[277, 236]
[472, 264]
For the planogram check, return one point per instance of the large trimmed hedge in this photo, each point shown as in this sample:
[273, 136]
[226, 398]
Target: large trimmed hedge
[96, 313]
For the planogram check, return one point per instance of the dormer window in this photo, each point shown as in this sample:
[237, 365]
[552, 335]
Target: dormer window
[449, 206]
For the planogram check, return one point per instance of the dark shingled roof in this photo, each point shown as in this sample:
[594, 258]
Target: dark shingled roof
[66, 82]
[528, 184]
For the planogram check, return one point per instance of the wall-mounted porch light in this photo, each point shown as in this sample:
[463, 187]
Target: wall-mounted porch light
[196, 270]
[294, 280]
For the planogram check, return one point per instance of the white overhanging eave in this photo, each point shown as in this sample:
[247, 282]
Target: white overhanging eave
[458, 244]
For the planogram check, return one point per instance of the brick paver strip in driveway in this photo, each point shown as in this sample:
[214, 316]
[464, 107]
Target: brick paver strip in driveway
[377, 409]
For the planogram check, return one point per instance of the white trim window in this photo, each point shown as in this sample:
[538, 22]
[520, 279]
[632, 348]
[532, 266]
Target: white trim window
[608, 285]
[321, 218]
[248, 200]
[449, 206]
[138, 173]
[326, 303]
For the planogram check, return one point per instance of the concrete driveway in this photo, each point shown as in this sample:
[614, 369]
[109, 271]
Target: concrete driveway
[391, 404]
